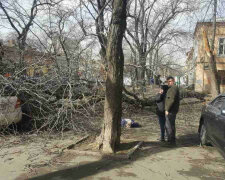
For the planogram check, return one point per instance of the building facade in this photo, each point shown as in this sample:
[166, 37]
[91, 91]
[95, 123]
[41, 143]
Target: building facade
[200, 74]
[36, 63]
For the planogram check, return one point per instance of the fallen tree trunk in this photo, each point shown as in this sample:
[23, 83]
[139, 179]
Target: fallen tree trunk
[135, 100]
[138, 102]
[192, 94]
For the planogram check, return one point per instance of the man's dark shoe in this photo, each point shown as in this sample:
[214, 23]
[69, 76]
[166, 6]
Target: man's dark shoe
[170, 144]
[161, 139]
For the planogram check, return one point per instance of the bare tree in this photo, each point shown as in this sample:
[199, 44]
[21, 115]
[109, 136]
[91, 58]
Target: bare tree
[63, 38]
[96, 10]
[21, 20]
[215, 86]
[110, 135]
[149, 26]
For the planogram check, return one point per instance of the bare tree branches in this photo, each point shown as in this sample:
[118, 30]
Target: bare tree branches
[21, 21]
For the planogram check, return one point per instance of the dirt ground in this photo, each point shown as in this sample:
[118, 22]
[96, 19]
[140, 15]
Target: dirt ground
[41, 157]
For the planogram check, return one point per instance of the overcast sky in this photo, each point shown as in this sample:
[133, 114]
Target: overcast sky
[184, 22]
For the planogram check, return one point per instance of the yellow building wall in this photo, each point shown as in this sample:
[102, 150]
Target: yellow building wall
[30, 71]
[199, 78]
[37, 69]
[203, 76]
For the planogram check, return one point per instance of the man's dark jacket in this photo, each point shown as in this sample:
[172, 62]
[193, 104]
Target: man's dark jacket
[172, 101]
[160, 101]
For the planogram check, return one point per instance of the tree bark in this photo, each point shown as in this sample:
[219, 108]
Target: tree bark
[212, 64]
[111, 131]
[215, 86]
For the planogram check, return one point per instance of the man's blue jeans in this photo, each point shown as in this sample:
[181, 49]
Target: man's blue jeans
[170, 127]
[162, 121]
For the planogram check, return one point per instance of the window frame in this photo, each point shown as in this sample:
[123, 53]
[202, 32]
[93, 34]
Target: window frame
[221, 55]
[206, 65]
[221, 77]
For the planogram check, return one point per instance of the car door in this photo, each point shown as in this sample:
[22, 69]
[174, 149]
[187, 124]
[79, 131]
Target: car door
[215, 118]
[209, 117]
[220, 127]
[211, 113]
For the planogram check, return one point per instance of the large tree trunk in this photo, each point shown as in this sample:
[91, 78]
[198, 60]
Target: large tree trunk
[142, 60]
[215, 86]
[149, 72]
[212, 66]
[100, 30]
[136, 71]
[110, 135]
[22, 46]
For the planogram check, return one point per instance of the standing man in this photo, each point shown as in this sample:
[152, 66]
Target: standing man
[160, 110]
[172, 103]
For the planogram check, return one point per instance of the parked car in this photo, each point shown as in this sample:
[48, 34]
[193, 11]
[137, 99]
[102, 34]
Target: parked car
[10, 110]
[212, 124]
[10, 105]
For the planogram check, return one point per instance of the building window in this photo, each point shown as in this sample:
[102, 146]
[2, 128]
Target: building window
[206, 66]
[221, 76]
[221, 46]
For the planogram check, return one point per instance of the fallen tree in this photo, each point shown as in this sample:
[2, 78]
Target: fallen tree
[71, 106]
[132, 98]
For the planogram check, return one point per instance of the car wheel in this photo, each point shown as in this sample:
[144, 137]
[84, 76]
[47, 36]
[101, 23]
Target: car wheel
[203, 136]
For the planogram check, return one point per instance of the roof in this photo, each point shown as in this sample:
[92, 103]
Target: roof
[208, 23]
[13, 52]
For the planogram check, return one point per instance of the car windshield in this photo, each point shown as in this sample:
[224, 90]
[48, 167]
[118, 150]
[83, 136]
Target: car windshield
[219, 102]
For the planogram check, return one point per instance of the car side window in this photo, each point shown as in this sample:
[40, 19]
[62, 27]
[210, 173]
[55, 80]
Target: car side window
[218, 103]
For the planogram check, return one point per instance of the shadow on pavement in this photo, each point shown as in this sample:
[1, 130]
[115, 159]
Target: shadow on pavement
[105, 164]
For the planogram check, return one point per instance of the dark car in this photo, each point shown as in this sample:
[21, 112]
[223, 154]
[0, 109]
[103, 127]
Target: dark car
[212, 124]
